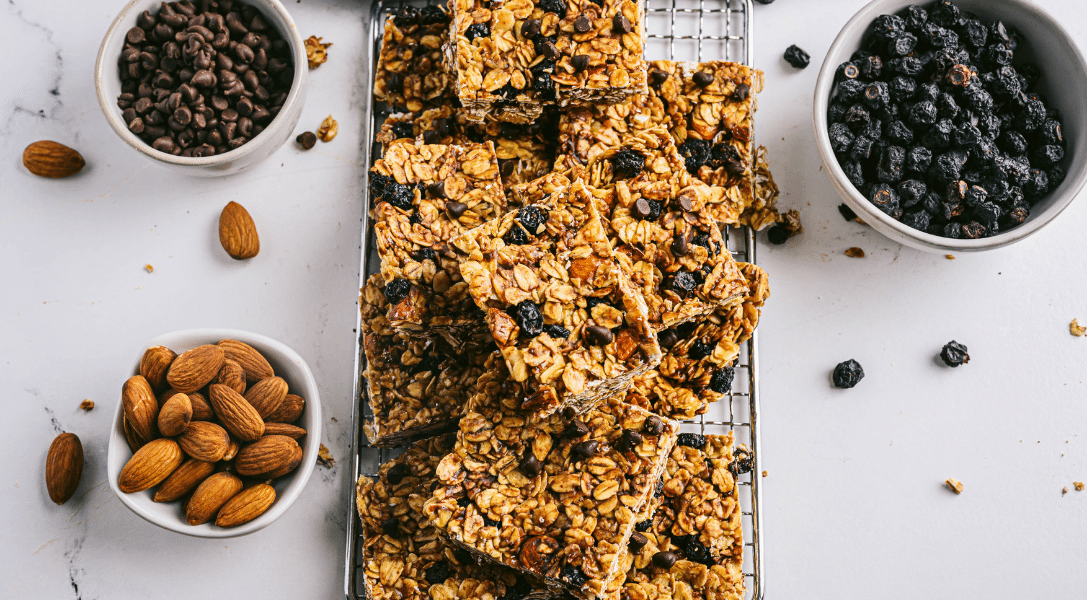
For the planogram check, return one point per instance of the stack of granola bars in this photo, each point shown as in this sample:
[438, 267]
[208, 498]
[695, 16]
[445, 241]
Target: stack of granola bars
[554, 291]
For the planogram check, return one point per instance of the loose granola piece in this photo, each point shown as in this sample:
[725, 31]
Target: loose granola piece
[655, 215]
[324, 457]
[695, 517]
[696, 367]
[328, 129]
[417, 387]
[1076, 329]
[760, 211]
[509, 60]
[548, 496]
[424, 196]
[403, 556]
[525, 152]
[316, 51]
[87, 404]
[854, 252]
[565, 316]
[1078, 485]
[954, 485]
[410, 69]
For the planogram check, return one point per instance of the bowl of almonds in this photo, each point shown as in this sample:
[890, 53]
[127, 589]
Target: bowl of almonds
[216, 433]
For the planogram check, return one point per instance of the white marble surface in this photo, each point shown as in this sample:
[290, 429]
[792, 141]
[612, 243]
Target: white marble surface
[853, 502]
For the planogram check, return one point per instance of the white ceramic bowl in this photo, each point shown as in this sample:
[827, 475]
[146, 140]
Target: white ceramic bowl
[107, 82]
[1064, 84]
[288, 365]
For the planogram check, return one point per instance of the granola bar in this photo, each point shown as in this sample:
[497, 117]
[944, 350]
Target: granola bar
[511, 60]
[525, 152]
[546, 496]
[417, 386]
[655, 216]
[403, 557]
[695, 526]
[696, 367]
[424, 196]
[410, 69]
[565, 316]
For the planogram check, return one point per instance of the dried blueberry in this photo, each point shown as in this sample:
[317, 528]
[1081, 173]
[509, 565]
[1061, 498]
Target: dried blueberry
[694, 549]
[438, 572]
[477, 30]
[378, 183]
[721, 380]
[846, 212]
[643, 525]
[399, 195]
[390, 526]
[796, 57]
[532, 217]
[778, 234]
[406, 16]
[692, 440]
[432, 15]
[682, 283]
[695, 153]
[396, 473]
[918, 220]
[627, 163]
[724, 155]
[699, 350]
[529, 318]
[553, 6]
[848, 374]
[517, 236]
[396, 290]
[556, 331]
[742, 461]
[884, 197]
[954, 354]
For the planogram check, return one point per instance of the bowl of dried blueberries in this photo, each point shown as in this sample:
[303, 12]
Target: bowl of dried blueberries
[207, 88]
[955, 125]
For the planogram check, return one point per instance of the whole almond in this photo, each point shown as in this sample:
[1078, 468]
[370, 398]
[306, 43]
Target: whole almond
[205, 441]
[269, 453]
[150, 465]
[237, 232]
[201, 408]
[267, 394]
[255, 365]
[195, 368]
[296, 460]
[174, 416]
[63, 467]
[232, 449]
[52, 159]
[183, 479]
[140, 406]
[246, 506]
[235, 413]
[154, 365]
[210, 496]
[233, 375]
[292, 431]
[289, 410]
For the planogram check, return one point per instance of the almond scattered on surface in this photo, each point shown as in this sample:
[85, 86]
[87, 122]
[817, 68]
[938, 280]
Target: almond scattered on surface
[238, 232]
[52, 159]
[63, 467]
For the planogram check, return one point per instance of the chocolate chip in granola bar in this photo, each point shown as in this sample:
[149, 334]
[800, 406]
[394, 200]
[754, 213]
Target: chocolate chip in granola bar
[507, 166]
[848, 374]
[598, 335]
[644, 209]
[630, 439]
[530, 28]
[724, 155]
[437, 190]
[702, 78]
[307, 140]
[530, 466]
[575, 429]
[396, 473]
[528, 318]
[954, 354]
[583, 23]
[667, 339]
[462, 556]
[552, 6]
[394, 83]
[396, 290]
[664, 559]
[477, 30]
[741, 92]
[549, 50]
[692, 440]
[587, 449]
[390, 526]
[437, 573]
[580, 62]
[573, 575]
[627, 163]
[721, 380]
[621, 24]
[679, 247]
[556, 331]
[657, 76]
[638, 541]
[654, 425]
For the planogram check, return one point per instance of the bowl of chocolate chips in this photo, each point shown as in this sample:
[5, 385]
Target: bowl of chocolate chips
[207, 88]
[956, 125]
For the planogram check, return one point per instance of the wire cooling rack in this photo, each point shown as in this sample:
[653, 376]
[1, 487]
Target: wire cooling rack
[683, 30]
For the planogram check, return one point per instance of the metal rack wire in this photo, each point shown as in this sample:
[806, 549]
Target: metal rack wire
[684, 30]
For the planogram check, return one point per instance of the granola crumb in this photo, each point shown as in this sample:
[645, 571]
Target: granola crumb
[1079, 485]
[151, 269]
[1064, 491]
[328, 129]
[792, 222]
[954, 485]
[316, 52]
[764, 473]
[325, 458]
[88, 404]
[949, 256]
[854, 252]
[1076, 329]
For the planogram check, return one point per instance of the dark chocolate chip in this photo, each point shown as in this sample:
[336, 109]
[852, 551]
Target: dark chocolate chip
[580, 62]
[396, 473]
[530, 466]
[654, 425]
[582, 24]
[664, 560]
[587, 448]
[621, 24]
[599, 335]
[703, 78]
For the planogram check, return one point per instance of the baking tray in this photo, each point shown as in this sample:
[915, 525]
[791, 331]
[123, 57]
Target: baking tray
[685, 30]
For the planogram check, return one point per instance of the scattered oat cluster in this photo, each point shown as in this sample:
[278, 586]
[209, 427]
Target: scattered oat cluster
[555, 289]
